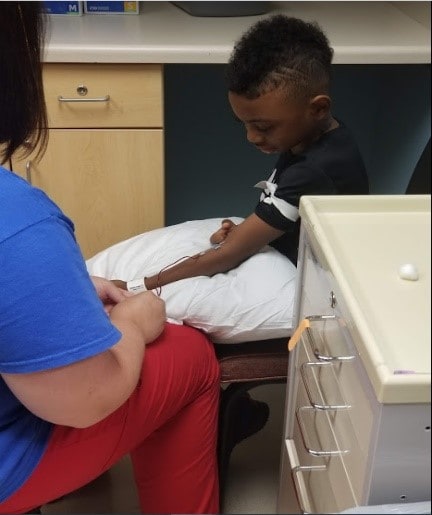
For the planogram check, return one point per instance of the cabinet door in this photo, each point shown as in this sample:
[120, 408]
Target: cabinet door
[109, 182]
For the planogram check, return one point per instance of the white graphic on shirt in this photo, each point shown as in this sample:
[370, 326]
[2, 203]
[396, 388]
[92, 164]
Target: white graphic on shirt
[268, 197]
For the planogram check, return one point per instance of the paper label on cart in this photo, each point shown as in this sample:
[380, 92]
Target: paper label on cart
[304, 324]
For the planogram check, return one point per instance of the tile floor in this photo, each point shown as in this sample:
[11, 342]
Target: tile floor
[251, 483]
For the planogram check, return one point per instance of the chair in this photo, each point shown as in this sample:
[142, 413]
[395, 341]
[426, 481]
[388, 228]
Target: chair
[245, 366]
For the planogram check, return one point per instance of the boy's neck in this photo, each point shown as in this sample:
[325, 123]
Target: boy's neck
[329, 124]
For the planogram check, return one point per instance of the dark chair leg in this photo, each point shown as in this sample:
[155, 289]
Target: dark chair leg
[226, 428]
[229, 396]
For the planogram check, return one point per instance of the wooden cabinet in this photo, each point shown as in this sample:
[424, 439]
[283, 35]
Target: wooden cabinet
[104, 163]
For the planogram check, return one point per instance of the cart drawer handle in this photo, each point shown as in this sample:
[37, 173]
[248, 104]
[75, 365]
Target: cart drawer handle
[304, 325]
[296, 471]
[315, 404]
[303, 432]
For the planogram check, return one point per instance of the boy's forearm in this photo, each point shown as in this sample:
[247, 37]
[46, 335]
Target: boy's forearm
[241, 242]
[212, 262]
[191, 267]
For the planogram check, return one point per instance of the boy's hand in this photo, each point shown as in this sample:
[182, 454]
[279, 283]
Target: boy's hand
[220, 235]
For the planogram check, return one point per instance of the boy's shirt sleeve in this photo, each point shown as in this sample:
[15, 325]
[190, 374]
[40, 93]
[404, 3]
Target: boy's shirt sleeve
[51, 315]
[279, 202]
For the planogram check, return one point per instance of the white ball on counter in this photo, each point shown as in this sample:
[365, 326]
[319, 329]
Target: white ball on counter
[409, 272]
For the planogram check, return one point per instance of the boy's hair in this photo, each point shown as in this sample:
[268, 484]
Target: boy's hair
[280, 51]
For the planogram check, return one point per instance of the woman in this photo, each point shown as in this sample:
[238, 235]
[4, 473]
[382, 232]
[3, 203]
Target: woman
[88, 373]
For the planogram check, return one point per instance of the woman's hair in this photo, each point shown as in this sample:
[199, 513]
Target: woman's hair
[280, 51]
[23, 118]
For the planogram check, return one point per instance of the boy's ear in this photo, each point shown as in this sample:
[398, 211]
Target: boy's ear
[320, 106]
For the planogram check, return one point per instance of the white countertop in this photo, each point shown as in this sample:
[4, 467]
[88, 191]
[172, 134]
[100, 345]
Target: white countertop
[363, 241]
[360, 32]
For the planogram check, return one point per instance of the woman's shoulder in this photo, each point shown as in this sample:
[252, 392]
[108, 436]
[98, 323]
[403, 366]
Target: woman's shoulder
[22, 205]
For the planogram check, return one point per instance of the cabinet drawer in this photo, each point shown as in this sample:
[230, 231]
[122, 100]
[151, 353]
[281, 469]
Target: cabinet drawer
[322, 472]
[340, 383]
[323, 478]
[120, 95]
[358, 429]
[316, 288]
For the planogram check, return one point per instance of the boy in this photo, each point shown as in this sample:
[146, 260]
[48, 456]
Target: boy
[278, 82]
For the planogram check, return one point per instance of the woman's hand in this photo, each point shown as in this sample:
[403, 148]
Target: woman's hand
[146, 311]
[109, 293]
[220, 235]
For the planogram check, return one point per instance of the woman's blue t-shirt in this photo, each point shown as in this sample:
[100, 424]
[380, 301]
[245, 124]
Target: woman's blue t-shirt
[50, 315]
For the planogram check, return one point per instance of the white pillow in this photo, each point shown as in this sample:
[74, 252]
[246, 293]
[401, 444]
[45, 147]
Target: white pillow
[251, 302]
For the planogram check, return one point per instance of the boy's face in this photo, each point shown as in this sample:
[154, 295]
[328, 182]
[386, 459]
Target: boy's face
[274, 122]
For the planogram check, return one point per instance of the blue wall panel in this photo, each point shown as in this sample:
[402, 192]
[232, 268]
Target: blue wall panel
[211, 168]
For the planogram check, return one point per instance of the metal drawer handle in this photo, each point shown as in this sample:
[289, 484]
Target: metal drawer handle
[296, 471]
[304, 326]
[324, 357]
[317, 405]
[303, 433]
[106, 98]
[321, 318]
[318, 355]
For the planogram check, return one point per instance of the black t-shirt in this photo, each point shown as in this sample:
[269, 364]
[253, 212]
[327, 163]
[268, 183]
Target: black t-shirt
[330, 166]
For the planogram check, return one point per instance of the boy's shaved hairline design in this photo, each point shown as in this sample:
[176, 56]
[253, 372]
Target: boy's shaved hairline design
[294, 82]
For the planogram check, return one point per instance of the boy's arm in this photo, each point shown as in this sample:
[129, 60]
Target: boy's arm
[242, 241]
